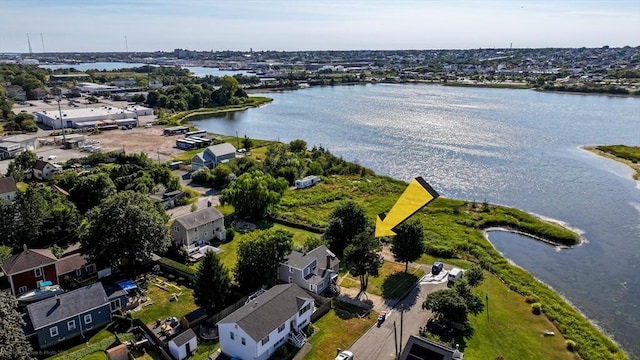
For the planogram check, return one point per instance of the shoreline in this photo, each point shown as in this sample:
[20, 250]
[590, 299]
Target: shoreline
[635, 168]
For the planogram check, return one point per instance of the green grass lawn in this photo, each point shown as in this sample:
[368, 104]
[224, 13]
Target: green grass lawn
[92, 349]
[392, 282]
[205, 348]
[162, 307]
[334, 332]
[511, 330]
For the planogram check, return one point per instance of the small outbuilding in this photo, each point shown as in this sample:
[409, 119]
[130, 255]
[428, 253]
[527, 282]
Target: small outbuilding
[183, 345]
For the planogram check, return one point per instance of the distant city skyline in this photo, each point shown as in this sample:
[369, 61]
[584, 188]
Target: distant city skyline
[288, 25]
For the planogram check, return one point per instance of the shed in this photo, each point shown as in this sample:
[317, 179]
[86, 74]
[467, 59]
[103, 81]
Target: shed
[183, 345]
[193, 318]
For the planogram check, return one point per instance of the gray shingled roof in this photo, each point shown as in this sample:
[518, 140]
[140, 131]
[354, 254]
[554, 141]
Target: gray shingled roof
[26, 260]
[39, 165]
[200, 217]
[222, 149]
[300, 260]
[7, 185]
[47, 312]
[71, 263]
[184, 337]
[268, 311]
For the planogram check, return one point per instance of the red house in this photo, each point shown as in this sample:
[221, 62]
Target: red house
[30, 267]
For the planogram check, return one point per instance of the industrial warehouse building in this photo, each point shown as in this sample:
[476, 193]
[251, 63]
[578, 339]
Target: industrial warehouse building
[101, 117]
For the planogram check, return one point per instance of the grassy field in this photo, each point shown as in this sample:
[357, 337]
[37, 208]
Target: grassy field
[392, 282]
[162, 306]
[628, 155]
[335, 330]
[509, 329]
[92, 349]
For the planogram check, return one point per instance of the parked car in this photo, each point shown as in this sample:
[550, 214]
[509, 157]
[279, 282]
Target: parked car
[436, 268]
[381, 317]
[345, 355]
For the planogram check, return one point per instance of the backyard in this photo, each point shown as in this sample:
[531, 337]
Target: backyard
[161, 305]
[392, 282]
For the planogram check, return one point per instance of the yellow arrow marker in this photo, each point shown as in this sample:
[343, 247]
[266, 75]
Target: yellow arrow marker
[418, 194]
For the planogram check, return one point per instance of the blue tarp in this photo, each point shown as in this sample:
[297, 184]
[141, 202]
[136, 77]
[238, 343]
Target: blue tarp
[127, 285]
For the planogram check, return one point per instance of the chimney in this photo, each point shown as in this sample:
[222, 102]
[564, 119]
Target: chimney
[328, 261]
[57, 301]
[26, 249]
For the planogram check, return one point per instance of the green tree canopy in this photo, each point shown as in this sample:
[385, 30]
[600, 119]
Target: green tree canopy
[212, 284]
[345, 222]
[475, 275]
[254, 194]
[447, 304]
[124, 230]
[13, 343]
[362, 257]
[407, 245]
[22, 163]
[259, 255]
[91, 189]
[297, 146]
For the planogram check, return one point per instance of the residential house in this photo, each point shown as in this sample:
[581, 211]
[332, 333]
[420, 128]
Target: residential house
[69, 315]
[75, 266]
[168, 199]
[419, 348]
[44, 170]
[197, 229]
[8, 188]
[9, 150]
[16, 92]
[212, 156]
[27, 269]
[260, 327]
[183, 345]
[316, 270]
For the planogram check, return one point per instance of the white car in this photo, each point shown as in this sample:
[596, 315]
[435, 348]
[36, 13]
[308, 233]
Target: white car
[345, 355]
[52, 157]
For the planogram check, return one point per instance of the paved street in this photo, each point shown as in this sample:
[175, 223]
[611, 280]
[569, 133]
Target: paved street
[378, 342]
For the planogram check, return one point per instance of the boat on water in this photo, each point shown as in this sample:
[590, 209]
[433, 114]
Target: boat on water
[46, 290]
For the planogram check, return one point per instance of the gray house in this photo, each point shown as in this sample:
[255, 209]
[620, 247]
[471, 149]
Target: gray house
[316, 270]
[197, 229]
[419, 348]
[68, 315]
[213, 155]
[8, 188]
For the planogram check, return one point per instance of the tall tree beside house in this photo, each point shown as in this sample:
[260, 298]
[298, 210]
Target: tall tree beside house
[259, 255]
[345, 222]
[254, 194]
[32, 210]
[362, 257]
[407, 245]
[8, 223]
[13, 343]
[90, 190]
[212, 285]
[125, 230]
[22, 163]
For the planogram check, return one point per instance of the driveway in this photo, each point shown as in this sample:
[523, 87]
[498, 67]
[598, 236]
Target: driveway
[378, 342]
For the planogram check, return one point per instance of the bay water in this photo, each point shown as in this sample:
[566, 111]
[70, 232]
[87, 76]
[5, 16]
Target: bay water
[519, 148]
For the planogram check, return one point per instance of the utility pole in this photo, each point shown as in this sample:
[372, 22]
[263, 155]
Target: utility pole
[29, 42]
[395, 339]
[401, 326]
[64, 137]
[42, 39]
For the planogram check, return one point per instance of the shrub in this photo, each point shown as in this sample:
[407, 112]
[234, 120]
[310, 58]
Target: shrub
[571, 345]
[230, 234]
[536, 308]
[282, 351]
[530, 299]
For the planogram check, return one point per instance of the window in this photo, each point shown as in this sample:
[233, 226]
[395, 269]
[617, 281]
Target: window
[290, 269]
[304, 309]
[244, 342]
[233, 336]
[78, 272]
[290, 279]
[115, 305]
[281, 328]
[87, 319]
[311, 287]
[71, 325]
[22, 289]
[175, 228]
[265, 340]
[37, 272]
[91, 268]
[53, 331]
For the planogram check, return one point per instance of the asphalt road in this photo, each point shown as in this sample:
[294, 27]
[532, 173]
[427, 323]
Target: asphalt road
[378, 342]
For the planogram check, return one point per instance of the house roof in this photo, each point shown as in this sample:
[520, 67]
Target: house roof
[7, 185]
[70, 263]
[47, 312]
[183, 337]
[222, 149]
[419, 348]
[300, 260]
[27, 260]
[200, 217]
[269, 310]
[39, 165]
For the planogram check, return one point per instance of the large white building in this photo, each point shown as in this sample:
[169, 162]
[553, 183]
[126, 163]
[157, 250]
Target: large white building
[88, 117]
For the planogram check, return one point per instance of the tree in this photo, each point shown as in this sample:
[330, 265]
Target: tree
[32, 208]
[407, 244]
[362, 257]
[90, 190]
[247, 143]
[475, 275]
[13, 343]
[446, 304]
[465, 291]
[22, 163]
[221, 176]
[254, 194]
[345, 222]
[8, 224]
[298, 146]
[212, 284]
[124, 230]
[259, 255]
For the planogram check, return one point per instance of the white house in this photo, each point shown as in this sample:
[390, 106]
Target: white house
[183, 345]
[197, 229]
[213, 155]
[260, 327]
[44, 170]
[316, 270]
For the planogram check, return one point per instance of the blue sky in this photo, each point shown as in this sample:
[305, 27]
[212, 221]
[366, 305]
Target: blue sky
[83, 26]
